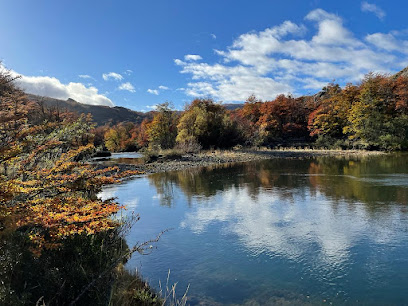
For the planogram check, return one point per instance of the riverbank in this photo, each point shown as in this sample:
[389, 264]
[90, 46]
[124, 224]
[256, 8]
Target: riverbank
[165, 163]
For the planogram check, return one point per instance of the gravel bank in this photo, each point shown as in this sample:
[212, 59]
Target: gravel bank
[209, 158]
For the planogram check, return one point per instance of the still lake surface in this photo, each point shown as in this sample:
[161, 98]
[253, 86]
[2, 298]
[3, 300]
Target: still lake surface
[290, 231]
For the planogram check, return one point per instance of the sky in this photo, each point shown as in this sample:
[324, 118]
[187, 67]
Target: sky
[137, 54]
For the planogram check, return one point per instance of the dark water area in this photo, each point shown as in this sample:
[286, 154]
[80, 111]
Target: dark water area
[283, 231]
[130, 158]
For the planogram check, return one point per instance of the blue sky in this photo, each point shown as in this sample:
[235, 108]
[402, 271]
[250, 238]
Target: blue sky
[137, 54]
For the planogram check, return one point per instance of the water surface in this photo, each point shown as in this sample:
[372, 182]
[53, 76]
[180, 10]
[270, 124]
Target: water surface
[282, 231]
[132, 158]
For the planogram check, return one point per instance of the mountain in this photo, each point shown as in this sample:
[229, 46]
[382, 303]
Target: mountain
[233, 106]
[403, 72]
[101, 114]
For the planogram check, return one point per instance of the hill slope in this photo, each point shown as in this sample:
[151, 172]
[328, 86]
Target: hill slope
[101, 114]
[403, 72]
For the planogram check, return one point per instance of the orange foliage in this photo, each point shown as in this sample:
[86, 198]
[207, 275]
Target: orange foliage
[45, 187]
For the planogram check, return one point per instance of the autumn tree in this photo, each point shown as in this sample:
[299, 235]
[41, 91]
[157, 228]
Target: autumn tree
[247, 118]
[45, 187]
[330, 118]
[374, 120]
[207, 123]
[282, 119]
[162, 131]
[121, 137]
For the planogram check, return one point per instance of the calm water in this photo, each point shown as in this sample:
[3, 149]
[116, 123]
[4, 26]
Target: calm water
[121, 158]
[318, 231]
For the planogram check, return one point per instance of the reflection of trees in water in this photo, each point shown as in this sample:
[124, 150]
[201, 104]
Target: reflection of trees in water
[208, 181]
[370, 180]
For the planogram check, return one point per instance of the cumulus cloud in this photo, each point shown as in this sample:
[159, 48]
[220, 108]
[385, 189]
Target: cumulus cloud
[388, 42]
[192, 57]
[153, 91]
[127, 86]
[213, 36]
[162, 87]
[372, 8]
[112, 76]
[280, 59]
[53, 88]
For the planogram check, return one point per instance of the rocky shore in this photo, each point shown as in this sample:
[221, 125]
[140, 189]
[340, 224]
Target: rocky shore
[209, 158]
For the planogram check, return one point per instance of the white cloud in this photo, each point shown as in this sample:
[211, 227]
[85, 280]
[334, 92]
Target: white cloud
[127, 86]
[53, 88]
[153, 91]
[112, 76]
[213, 36]
[388, 42]
[157, 91]
[280, 60]
[276, 225]
[372, 8]
[192, 57]
[128, 72]
[85, 76]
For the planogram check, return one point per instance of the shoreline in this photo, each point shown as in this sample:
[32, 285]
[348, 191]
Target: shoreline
[217, 157]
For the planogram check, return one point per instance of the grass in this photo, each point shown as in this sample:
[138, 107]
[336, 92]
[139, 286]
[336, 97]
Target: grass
[130, 289]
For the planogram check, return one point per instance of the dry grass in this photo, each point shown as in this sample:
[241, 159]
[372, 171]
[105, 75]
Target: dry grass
[130, 289]
[168, 294]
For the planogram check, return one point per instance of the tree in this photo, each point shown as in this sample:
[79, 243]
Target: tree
[371, 115]
[162, 131]
[247, 118]
[281, 119]
[121, 137]
[207, 123]
[330, 118]
[142, 136]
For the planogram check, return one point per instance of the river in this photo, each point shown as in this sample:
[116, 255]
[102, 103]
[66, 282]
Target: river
[282, 231]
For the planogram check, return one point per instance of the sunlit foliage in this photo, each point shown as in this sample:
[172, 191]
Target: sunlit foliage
[45, 188]
[162, 131]
[122, 137]
[207, 123]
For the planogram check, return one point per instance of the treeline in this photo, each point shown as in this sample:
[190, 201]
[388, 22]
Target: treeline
[370, 115]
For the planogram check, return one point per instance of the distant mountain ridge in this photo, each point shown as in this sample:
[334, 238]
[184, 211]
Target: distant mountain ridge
[101, 114]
